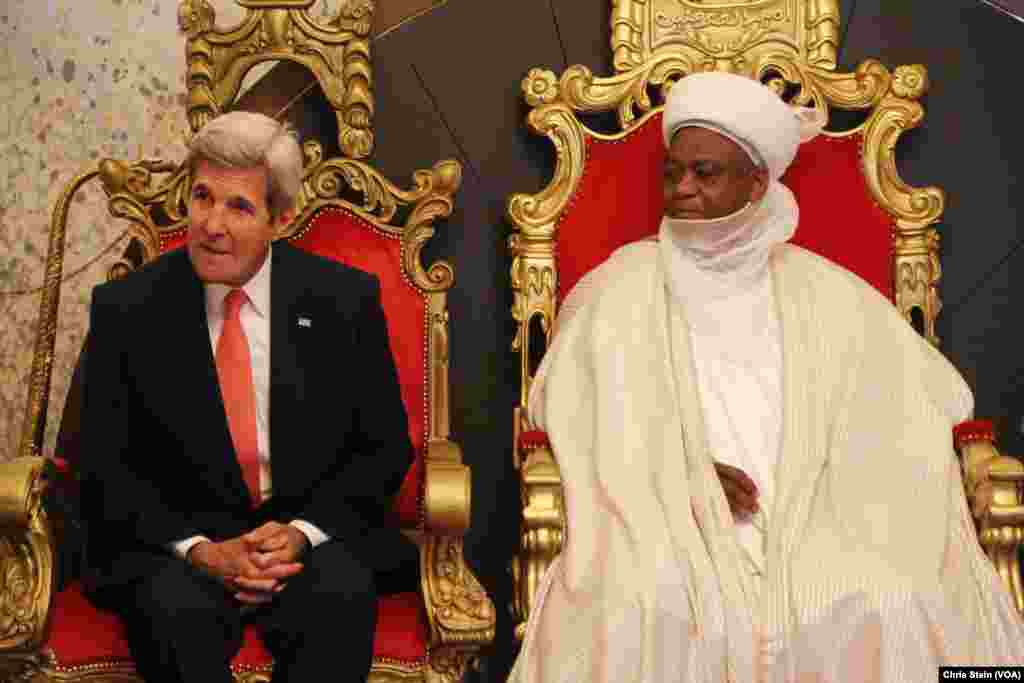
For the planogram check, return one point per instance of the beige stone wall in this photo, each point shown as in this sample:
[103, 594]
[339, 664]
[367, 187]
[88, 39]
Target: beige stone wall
[78, 80]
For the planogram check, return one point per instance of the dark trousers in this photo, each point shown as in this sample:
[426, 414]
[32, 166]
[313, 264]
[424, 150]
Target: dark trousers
[184, 626]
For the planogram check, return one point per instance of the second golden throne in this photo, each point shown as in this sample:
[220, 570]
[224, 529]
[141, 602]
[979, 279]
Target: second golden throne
[606, 191]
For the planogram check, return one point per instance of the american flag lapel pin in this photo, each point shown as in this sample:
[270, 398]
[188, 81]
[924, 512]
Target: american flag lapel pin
[305, 322]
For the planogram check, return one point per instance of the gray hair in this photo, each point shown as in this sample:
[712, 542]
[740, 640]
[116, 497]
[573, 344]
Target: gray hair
[242, 139]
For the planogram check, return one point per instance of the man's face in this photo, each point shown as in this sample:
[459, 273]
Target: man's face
[230, 227]
[709, 176]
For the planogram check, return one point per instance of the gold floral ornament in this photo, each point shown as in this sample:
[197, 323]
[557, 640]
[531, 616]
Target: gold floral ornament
[910, 81]
[540, 87]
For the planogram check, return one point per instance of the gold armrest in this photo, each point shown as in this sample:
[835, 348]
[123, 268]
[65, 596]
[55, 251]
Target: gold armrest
[22, 483]
[26, 554]
[447, 494]
[461, 617]
[542, 530]
[993, 487]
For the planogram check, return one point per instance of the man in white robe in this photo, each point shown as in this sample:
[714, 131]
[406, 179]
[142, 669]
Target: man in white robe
[718, 359]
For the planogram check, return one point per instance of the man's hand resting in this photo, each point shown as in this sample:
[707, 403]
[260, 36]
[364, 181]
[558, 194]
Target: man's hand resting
[740, 490]
[255, 565]
[275, 549]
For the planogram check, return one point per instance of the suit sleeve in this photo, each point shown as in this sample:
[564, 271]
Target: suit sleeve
[352, 502]
[120, 497]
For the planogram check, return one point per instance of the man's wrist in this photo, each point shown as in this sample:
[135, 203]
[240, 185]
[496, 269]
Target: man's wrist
[182, 548]
[311, 533]
[192, 556]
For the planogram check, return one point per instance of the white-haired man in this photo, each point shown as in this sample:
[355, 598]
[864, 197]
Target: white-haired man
[243, 434]
[756, 447]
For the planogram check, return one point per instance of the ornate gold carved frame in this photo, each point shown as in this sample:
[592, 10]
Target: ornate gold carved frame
[790, 45]
[151, 195]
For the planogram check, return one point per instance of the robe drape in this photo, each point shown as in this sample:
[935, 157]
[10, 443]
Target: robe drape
[872, 568]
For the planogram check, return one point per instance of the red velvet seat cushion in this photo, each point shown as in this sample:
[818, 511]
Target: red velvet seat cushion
[533, 439]
[619, 200]
[973, 430]
[80, 635]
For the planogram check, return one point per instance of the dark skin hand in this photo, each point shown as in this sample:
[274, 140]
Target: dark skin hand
[740, 491]
[255, 565]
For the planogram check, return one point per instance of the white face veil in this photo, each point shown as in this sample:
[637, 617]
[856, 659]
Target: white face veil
[770, 132]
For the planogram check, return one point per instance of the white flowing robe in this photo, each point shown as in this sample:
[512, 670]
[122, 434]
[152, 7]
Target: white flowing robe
[872, 571]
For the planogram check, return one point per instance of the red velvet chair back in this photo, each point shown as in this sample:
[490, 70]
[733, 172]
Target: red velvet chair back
[619, 200]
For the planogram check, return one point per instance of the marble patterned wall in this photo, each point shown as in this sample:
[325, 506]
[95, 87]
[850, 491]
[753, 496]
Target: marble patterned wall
[78, 81]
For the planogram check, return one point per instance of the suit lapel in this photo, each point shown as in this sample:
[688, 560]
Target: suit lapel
[287, 381]
[203, 406]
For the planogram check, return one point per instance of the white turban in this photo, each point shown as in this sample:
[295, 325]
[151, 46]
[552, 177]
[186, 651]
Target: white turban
[745, 111]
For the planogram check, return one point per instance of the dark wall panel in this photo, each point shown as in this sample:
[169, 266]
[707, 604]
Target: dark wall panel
[448, 84]
[585, 34]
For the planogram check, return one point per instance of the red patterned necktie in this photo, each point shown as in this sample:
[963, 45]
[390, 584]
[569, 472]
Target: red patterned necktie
[234, 370]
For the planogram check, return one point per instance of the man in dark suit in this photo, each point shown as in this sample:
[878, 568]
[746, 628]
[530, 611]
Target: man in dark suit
[244, 434]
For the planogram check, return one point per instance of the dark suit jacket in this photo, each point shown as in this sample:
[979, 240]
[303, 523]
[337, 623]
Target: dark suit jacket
[159, 465]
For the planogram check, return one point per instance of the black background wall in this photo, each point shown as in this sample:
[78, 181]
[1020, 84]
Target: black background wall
[447, 86]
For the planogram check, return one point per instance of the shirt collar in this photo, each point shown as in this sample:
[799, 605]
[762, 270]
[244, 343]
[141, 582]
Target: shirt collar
[257, 289]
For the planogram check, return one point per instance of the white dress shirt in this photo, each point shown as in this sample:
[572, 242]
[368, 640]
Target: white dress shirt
[737, 352]
[255, 318]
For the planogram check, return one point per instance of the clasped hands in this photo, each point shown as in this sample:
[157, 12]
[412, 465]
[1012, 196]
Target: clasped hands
[255, 565]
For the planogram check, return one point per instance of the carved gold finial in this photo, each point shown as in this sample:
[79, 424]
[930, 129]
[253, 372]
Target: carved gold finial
[447, 176]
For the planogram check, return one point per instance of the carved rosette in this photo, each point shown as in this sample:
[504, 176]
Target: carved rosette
[337, 53]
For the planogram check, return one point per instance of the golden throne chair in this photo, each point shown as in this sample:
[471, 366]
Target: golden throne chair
[606, 191]
[347, 211]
